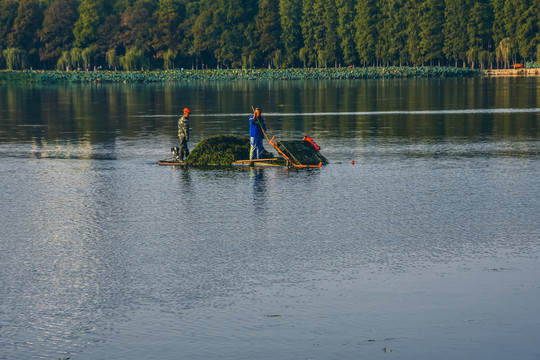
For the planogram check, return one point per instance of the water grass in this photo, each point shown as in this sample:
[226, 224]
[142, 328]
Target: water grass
[221, 150]
[44, 76]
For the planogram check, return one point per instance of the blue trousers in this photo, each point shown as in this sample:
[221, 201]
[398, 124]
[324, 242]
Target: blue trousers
[256, 149]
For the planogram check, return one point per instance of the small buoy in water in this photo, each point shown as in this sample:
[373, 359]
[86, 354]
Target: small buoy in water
[352, 162]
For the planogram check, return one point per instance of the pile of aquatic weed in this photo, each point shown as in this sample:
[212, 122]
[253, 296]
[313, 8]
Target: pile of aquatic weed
[301, 152]
[42, 76]
[221, 150]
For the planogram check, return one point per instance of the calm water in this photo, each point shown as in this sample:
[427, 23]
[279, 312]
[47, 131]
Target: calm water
[426, 248]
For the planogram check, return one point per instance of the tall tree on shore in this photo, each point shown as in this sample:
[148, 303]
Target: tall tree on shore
[91, 16]
[431, 20]
[331, 49]
[366, 31]
[346, 30]
[308, 53]
[528, 29]
[498, 31]
[233, 19]
[455, 30]
[136, 25]
[291, 31]
[8, 13]
[167, 31]
[267, 30]
[479, 31]
[390, 29]
[56, 34]
[26, 25]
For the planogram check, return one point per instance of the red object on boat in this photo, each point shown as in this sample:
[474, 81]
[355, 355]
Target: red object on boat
[312, 142]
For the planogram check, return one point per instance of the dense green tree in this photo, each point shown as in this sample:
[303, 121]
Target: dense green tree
[281, 33]
[366, 31]
[266, 31]
[291, 31]
[455, 30]
[26, 25]
[527, 29]
[498, 29]
[431, 21]
[91, 17]
[479, 31]
[166, 31]
[308, 53]
[233, 17]
[346, 30]
[8, 13]
[204, 31]
[331, 49]
[412, 54]
[56, 34]
[391, 30]
[136, 24]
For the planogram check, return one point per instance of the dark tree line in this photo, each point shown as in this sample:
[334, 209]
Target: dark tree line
[152, 34]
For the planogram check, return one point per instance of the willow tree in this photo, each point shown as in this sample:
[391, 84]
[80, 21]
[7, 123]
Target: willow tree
[504, 51]
[15, 58]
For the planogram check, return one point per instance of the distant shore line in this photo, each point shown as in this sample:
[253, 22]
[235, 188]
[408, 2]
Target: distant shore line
[105, 76]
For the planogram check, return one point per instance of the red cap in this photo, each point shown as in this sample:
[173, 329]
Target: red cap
[187, 110]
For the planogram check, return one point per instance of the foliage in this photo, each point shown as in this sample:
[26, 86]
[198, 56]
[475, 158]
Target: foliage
[272, 33]
[221, 150]
[56, 34]
[232, 74]
[134, 59]
[15, 58]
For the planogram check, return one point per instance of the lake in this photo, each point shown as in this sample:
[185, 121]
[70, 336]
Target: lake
[426, 247]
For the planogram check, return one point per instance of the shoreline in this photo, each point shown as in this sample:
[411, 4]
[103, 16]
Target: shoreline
[105, 76]
[54, 76]
[512, 72]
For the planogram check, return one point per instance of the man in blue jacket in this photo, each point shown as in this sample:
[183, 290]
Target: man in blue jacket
[257, 127]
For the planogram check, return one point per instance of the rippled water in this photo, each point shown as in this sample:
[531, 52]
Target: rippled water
[427, 247]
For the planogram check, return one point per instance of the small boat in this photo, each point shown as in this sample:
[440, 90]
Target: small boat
[171, 161]
[261, 162]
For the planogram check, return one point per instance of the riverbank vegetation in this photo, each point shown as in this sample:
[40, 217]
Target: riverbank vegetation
[43, 76]
[232, 34]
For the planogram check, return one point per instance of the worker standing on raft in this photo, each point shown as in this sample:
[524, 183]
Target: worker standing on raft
[183, 135]
[257, 127]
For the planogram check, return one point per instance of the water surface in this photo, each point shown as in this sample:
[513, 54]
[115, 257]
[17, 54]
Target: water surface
[427, 247]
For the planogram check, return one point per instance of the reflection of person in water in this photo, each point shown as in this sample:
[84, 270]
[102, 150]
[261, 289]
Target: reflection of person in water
[259, 188]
